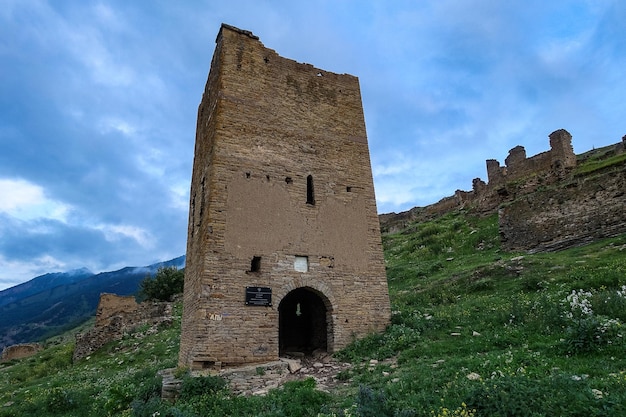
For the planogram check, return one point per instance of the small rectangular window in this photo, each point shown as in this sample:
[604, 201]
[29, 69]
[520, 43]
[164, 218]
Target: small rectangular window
[301, 264]
[255, 264]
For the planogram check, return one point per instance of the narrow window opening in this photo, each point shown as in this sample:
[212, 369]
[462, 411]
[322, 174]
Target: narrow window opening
[255, 264]
[201, 202]
[288, 180]
[266, 59]
[247, 175]
[193, 214]
[349, 189]
[298, 312]
[310, 193]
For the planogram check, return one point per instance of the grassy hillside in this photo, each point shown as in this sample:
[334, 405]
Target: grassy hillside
[475, 332]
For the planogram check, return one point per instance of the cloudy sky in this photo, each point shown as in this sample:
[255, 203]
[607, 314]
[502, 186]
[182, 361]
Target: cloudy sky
[98, 104]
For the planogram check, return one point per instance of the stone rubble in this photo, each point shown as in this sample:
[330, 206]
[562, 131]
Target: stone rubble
[258, 379]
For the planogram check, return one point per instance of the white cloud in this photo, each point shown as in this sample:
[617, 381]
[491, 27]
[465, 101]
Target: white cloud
[26, 201]
[113, 232]
[115, 124]
[16, 272]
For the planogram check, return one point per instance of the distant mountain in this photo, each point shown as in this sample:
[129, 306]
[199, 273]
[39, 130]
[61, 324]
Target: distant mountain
[53, 303]
[42, 283]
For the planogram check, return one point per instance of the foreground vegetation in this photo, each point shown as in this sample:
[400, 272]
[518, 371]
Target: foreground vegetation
[475, 332]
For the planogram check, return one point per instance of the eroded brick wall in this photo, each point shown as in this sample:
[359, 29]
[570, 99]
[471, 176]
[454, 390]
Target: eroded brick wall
[20, 351]
[517, 166]
[580, 211]
[111, 305]
[117, 315]
[543, 204]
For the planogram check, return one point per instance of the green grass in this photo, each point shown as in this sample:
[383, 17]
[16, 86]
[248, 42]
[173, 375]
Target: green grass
[475, 332]
[598, 162]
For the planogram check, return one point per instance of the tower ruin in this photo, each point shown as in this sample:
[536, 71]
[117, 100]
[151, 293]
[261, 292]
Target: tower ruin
[284, 250]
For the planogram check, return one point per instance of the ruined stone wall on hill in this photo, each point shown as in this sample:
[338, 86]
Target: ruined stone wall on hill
[484, 198]
[542, 203]
[560, 157]
[23, 350]
[580, 211]
[111, 305]
[117, 315]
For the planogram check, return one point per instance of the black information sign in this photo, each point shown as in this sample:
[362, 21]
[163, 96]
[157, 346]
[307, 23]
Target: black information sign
[259, 296]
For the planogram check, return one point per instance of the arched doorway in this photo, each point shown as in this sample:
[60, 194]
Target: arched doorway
[303, 324]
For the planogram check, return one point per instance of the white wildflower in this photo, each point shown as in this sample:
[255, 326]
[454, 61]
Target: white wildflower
[473, 376]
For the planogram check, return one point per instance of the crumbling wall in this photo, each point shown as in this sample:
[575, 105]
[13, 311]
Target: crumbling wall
[111, 305]
[577, 212]
[20, 351]
[560, 156]
[117, 315]
[542, 203]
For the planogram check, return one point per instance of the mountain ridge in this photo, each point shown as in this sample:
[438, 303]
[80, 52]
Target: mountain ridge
[52, 303]
[42, 282]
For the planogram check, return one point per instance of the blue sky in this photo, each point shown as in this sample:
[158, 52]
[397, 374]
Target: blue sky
[98, 105]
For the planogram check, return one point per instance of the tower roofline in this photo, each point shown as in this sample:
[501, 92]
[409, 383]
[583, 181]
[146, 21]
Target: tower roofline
[236, 29]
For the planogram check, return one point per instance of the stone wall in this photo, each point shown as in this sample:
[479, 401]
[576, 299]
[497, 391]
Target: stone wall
[281, 198]
[112, 305]
[576, 212]
[560, 157]
[485, 198]
[542, 203]
[117, 315]
[20, 351]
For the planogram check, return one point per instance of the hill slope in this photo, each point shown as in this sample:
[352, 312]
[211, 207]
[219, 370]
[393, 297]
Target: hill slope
[475, 332]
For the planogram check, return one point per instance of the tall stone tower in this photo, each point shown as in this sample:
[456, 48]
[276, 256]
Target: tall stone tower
[284, 250]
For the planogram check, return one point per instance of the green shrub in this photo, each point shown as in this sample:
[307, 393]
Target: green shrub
[167, 282]
[380, 346]
[611, 303]
[555, 395]
[150, 408]
[588, 331]
[591, 333]
[60, 400]
[149, 387]
[371, 403]
[195, 386]
[298, 398]
[49, 362]
[119, 398]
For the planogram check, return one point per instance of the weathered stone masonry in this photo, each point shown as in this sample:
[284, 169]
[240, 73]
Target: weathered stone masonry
[20, 351]
[557, 160]
[117, 315]
[282, 199]
[543, 204]
[578, 211]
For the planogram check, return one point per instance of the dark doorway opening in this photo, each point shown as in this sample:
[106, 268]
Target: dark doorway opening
[302, 322]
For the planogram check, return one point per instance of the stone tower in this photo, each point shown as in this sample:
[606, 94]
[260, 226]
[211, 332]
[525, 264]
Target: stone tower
[284, 250]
